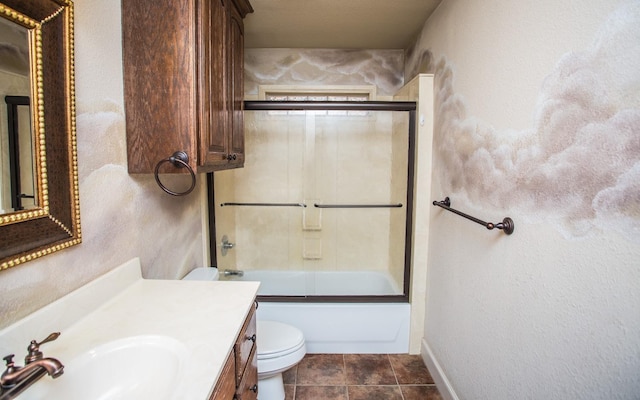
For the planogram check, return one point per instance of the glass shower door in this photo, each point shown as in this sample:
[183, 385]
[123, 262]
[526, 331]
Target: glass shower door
[321, 207]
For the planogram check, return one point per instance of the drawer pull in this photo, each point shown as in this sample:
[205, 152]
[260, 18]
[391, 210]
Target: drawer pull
[254, 388]
[252, 338]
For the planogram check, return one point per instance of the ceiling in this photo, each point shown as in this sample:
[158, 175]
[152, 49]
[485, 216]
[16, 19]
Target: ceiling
[336, 24]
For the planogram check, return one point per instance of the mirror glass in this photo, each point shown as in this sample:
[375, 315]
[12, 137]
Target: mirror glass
[39, 207]
[18, 189]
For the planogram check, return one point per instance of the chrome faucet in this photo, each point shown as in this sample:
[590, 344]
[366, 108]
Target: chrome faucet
[14, 380]
[226, 245]
[233, 272]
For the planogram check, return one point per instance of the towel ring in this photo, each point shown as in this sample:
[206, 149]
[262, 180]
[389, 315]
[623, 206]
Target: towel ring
[179, 159]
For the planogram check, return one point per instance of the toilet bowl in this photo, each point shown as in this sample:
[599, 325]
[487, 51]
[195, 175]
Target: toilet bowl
[280, 346]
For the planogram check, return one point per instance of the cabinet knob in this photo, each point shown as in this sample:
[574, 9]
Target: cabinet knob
[252, 338]
[254, 388]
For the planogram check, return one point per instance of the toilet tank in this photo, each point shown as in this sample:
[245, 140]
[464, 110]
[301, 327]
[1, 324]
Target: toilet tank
[202, 274]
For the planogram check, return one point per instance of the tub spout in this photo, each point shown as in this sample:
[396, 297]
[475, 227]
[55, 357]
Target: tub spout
[233, 272]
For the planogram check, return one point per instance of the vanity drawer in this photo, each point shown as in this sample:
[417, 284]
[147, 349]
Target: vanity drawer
[248, 388]
[226, 387]
[245, 344]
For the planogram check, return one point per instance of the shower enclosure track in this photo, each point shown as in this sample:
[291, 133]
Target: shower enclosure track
[264, 204]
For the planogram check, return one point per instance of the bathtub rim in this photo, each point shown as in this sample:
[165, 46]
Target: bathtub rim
[322, 298]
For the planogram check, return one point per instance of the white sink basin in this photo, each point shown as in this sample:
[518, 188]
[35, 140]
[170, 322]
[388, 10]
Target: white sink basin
[139, 367]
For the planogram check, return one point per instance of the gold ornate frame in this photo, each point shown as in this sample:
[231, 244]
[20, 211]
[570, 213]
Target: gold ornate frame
[55, 223]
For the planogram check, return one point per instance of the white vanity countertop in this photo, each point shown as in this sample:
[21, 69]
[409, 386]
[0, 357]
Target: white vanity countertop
[205, 316]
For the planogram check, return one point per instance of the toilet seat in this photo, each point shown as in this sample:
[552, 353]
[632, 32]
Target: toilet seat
[276, 339]
[280, 347]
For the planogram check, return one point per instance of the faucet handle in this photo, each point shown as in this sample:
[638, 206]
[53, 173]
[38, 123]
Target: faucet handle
[9, 360]
[34, 348]
[9, 364]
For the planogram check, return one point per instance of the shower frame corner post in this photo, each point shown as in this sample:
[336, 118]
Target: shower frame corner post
[212, 221]
[408, 242]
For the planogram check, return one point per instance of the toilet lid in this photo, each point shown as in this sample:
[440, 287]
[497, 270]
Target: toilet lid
[276, 337]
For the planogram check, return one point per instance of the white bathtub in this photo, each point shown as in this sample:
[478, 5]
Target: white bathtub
[336, 327]
[300, 283]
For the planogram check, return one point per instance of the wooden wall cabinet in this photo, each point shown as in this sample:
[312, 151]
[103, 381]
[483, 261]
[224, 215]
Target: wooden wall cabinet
[183, 82]
[239, 377]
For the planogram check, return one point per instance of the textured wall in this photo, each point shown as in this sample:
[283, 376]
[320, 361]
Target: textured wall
[122, 216]
[537, 117]
[381, 68]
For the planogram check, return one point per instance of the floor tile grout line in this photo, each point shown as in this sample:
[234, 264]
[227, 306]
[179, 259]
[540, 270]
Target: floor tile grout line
[395, 376]
[344, 375]
[295, 383]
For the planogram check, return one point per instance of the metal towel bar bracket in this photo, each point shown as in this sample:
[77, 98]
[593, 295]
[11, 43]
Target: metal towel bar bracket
[506, 225]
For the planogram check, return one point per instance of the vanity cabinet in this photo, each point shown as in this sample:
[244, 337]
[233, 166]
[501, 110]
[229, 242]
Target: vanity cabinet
[184, 83]
[239, 377]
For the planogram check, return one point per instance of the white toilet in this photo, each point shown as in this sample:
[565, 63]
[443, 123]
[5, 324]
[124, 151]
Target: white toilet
[280, 347]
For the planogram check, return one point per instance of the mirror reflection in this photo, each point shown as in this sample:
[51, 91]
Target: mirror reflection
[40, 206]
[18, 190]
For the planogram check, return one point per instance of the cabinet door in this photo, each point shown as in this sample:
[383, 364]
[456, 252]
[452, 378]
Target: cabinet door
[159, 82]
[214, 94]
[236, 67]
[225, 388]
[248, 387]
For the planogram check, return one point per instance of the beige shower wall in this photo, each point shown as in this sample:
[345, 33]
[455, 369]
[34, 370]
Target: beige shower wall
[309, 158]
[261, 234]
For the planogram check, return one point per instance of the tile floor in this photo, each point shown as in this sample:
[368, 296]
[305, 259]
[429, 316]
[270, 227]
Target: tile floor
[360, 377]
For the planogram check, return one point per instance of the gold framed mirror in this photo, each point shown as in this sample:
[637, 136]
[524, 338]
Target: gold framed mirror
[52, 223]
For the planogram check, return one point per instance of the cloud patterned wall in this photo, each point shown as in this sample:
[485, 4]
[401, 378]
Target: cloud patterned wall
[578, 166]
[381, 68]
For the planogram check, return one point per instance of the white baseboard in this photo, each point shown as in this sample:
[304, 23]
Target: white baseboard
[440, 379]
